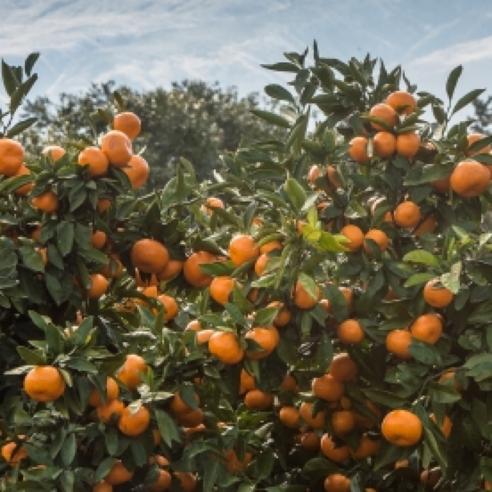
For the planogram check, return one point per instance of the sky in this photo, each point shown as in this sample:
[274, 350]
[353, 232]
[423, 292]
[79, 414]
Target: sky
[149, 43]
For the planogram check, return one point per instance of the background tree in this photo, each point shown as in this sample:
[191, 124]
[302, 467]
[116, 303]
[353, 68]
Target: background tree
[483, 116]
[192, 120]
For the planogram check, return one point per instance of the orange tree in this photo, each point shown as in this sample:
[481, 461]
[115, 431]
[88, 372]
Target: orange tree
[315, 319]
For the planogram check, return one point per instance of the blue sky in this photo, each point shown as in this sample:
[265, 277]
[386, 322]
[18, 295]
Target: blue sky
[148, 43]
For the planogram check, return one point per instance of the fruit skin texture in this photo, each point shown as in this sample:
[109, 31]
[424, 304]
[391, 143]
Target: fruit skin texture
[317, 422]
[134, 423]
[350, 331]
[8, 449]
[343, 368]
[114, 407]
[138, 171]
[117, 147]
[469, 179]
[379, 237]
[289, 416]
[95, 159]
[267, 338]
[258, 400]
[221, 288]
[399, 99]
[162, 483]
[474, 137]
[11, 157]
[172, 269]
[337, 482]
[302, 299]
[402, 428]
[102, 486]
[25, 189]
[186, 480]
[118, 474]
[46, 202]
[99, 286]
[327, 388]
[130, 371]
[225, 346]
[437, 297]
[407, 214]
[112, 392]
[407, 144]
[171, 306]
[358, 150]
[385, 113]
[149, 256]
[44, 383]
[242, 249]
[54, 152]
[192, 272]
[338, 454]
[355, 235]
[384, 144]
[342, 422]
[427, 328]
[128, 123]
[397, 342]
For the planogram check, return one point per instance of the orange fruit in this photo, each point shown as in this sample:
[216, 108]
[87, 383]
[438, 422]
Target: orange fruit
[54, 152]
[289, 416]
[96, 161]
[284, 315]
[427, 328]
[302, 299]
[310, 441]
[24, 190]
[98, 239]
[474, 137]
[46, 202]
[190, 419]
[428, 225]
[441, 185]
[327, 388]
[204, 336]
[269, 247]
[407, 144]
[186, 480]
[258, 400]
[194, 325]
[117, 147]
[242, 249]
[342, 422]
[337, 482]
[113, 268]
[266, 338]
[407, 214]
[221, 289]
[112, 392]
[114, 407]
[401, 101]
[368, 422]
[379, 237]
[178, 405]
[102, 486]
[171, 270]
[469, 179]
[355, 236]
[358, 150]
[384, 144]
[289, 383]
[160, 460]
[99, 286]
[335, 453]
[451, 375]
[192, 272]
[170, 305]
[137, 171]
[44, 383]
[437, 297]
[397, 342]
[118, 474]
[103, 204]
[162, 483]
[446, 425]
[149, 256]
[402, 428]
[129, 373]
[367, 448]
[350, 331]
[127, 123]
[226, 347]
[247, 381]
[134, 423]
[11, 157]
[261, 264]
[343, 368]
[10, 455]
[385, 113]
[212, 202]
[305, 411]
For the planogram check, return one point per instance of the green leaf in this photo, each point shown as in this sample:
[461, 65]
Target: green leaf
[64, 238]
[265, 463]
[385, 398]
[31, 258]
[422, 257]
[167, 427]
[278, 92]
[453, 80]
[282, 67]
[10, 81]
[467, 99]
[308, 283]
[479, 144]
[418, 279]
[29, 63]
[33, 357]
[427, 174]
[20, 127]
[296, 193]
[68, 450]
[104, 468]
[272, 118]
[451, 280]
